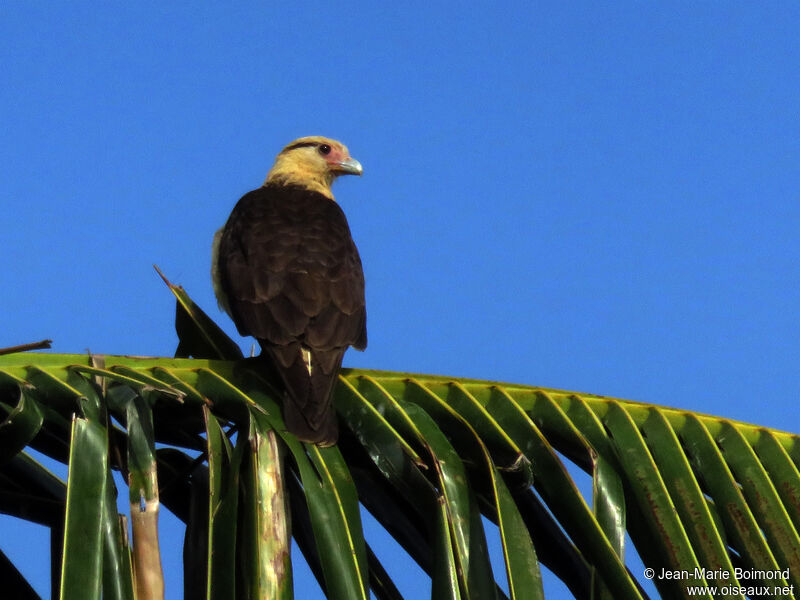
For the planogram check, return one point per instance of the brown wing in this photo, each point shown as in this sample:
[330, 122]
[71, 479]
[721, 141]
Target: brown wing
[291, 272]
[293, 279]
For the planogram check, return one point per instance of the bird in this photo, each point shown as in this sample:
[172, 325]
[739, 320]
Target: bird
[287, 271]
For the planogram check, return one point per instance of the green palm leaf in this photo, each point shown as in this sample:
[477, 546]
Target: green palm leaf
[428, 456]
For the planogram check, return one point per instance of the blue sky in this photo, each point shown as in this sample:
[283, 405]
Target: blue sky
[602, 199]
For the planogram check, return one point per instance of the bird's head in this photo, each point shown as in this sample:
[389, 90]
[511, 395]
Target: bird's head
[313, 162]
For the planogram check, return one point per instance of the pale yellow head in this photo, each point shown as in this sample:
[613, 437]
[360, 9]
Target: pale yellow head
[313, 162]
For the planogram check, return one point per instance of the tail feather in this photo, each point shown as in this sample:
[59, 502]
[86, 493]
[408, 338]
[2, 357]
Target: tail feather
[307, 405]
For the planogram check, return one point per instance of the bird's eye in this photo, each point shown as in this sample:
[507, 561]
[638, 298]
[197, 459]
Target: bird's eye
[324, 149]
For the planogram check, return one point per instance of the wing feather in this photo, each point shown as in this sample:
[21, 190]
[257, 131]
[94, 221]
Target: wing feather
[292, 278]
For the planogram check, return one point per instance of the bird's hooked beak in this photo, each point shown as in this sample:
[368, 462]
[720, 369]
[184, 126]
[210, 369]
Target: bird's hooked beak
[349, 166]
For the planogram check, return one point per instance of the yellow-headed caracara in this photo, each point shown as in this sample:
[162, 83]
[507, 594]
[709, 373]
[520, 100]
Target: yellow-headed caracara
[288, 273]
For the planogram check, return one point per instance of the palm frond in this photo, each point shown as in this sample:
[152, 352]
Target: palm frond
[703, 498]
[697, 493]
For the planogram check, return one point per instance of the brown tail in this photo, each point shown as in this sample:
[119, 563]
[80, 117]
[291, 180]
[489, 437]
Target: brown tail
[307, 405]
